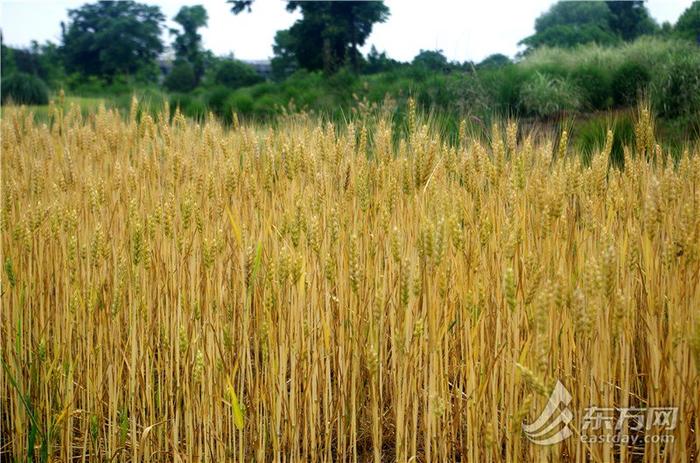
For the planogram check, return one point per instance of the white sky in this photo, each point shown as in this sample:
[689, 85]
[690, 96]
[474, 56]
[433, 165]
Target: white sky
[463, 29]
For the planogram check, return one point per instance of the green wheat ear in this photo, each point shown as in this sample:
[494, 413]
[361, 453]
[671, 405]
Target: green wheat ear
[9, 271]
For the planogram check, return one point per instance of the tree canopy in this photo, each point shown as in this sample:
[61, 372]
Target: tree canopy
[110, 38]
[630, 19]
[494, 60]
[284, 63]
[567, 24]
[688, 25]
[328, 34]
[188, 42]
[433, 60]
[233, 74]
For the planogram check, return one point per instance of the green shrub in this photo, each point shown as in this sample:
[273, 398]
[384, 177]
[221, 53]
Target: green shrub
[688, 24]
[434, 94]
[94, 86]
[590, 135]
[151, 101]
[503, 87]
[471, 94]
[676, 87]
[628, 81]
[21, 88]
[432, 60]
[594, 85]
[260, 90]
[234, 74]
[216, 100]
[189, 105]
[266, 106]
[342, 82]
[181, 78]
[546, 96]
[241, 103]
[495, 60]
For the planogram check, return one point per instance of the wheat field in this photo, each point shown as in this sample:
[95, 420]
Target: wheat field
[182, 291]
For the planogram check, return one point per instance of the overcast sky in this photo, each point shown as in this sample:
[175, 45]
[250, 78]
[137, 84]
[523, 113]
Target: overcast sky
[463, 29]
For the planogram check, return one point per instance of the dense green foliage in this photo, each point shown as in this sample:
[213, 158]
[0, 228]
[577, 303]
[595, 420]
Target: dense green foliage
[677, 87]
[568, 24]
[284, 63]
[545, 96]
[181, 78]
[548, 83]
[688, 25]
[329, 34]
[432, 60]
[107, 39]
[326, 37]
[234, 74]
[188, 42]
[494, 61]
[628, 81]
[630, 19]
[21, 88]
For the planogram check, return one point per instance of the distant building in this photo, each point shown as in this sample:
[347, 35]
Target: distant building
[262, 67]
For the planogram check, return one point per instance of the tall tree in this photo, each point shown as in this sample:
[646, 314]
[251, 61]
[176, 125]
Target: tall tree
[688, 25]
[43, 61]
[188, 42]
[433, 60]
[329, 33]
[109, 38]
[284, 63]
[630, 19]
[379, 62]
[7, 59]
[567, 24]
[333, 31]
